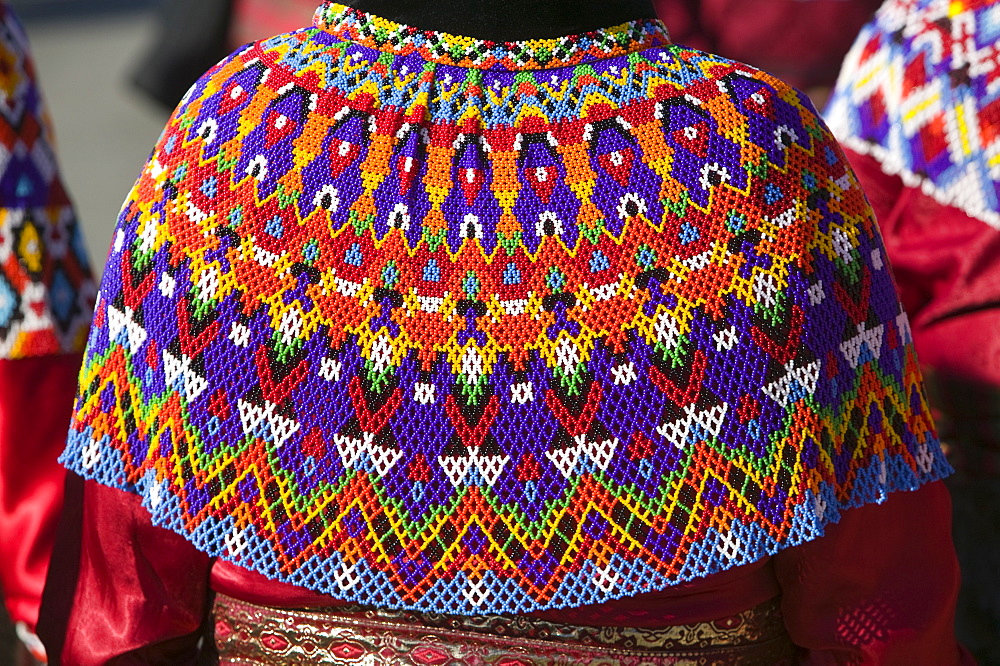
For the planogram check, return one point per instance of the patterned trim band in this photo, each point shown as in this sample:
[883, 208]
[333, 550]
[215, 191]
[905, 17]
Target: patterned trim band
[247, 633]
[354, 25]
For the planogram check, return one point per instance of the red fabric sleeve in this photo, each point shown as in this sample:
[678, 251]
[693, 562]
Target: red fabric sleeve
[138, 594]
[879, 587]
[947, 268]
[36, 398]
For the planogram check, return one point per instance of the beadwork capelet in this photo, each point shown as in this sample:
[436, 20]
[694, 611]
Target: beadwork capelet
[918, 92]
[427, 322]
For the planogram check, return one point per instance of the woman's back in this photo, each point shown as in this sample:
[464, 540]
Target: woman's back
[420, 321]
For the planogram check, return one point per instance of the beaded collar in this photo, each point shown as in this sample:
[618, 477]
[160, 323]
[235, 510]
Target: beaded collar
[479, 341]
[918, 92]
[355, 25]
[46, 286]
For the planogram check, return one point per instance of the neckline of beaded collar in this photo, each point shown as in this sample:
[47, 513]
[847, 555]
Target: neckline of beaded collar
[355, 25]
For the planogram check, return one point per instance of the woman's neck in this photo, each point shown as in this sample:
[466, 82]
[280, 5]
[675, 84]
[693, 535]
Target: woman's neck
[508, 20]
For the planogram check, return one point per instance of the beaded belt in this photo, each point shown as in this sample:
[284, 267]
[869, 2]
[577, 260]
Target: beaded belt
[249, 634]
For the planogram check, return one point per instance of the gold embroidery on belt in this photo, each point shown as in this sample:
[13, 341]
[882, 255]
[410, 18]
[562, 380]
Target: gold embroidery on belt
[250, 634]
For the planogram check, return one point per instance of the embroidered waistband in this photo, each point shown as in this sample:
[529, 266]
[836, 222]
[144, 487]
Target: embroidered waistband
[354, 25]
[248, 633]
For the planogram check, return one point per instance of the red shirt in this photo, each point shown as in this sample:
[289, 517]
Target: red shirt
[878, 588]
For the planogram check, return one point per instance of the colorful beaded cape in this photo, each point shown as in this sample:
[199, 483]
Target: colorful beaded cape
[918, 92]
[419, 324]
[46, 287]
